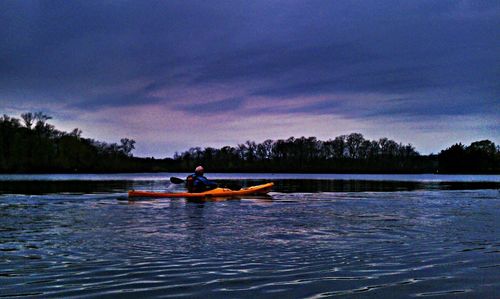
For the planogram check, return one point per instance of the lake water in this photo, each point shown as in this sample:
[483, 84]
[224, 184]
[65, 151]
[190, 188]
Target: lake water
[314, 236]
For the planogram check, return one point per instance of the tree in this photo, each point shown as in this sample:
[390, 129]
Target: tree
[41, 126]
[353, 143]
[482, 156]
[339, 146]
[41, 118]
[28, 119]
[264, 150]
[127, 145]
[76, 133]
[251, 150]
[388, 147]
[484, 146]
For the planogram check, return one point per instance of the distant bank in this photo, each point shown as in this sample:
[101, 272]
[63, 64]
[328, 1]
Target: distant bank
[32, 145]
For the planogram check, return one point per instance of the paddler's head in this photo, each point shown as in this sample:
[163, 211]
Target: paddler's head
[199, 170]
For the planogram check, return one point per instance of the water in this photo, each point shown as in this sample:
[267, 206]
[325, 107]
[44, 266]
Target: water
[315, 236]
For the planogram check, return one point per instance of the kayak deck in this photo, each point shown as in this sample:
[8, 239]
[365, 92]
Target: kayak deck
[217, 192]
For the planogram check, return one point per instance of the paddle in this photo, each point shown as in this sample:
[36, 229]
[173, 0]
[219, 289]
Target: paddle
[175, 180]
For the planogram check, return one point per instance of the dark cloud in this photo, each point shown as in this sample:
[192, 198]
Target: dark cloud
[113, 100]
[106, 42]
[278, 60]
[398, 108]
[216, 107]
[385, 81]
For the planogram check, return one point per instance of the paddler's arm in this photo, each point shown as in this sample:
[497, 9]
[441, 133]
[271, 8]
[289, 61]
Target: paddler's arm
[207, 182]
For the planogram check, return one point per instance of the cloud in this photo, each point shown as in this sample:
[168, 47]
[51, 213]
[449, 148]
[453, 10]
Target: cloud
[219, 106]
[362, 61]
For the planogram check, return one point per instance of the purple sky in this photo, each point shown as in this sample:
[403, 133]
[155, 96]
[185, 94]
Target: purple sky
[179, 74]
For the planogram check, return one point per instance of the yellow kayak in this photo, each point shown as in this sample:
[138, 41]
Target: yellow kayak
[217, 192]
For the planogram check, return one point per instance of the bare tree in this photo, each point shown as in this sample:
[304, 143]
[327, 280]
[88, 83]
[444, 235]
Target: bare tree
[28, 119]
[353, 142]
[127, 145]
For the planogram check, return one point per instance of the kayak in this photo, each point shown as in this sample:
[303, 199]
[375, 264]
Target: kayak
[217, 192]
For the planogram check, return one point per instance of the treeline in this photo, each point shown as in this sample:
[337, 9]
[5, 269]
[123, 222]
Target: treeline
[34, 145]
[479, 157]
[31, 144]
[347, 153]
[343, 154]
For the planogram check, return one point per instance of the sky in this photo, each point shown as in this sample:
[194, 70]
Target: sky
[178, 74]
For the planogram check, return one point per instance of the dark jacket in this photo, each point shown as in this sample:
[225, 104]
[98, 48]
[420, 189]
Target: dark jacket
[198, 183]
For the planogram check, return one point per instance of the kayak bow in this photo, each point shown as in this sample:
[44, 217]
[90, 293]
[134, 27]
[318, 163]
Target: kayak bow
[217, 192]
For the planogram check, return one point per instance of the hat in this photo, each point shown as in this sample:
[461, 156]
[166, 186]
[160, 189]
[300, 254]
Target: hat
[199, 169]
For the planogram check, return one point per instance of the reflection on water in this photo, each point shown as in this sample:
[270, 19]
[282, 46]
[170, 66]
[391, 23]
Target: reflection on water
[311, 239]
[47, 187]
[281, 185]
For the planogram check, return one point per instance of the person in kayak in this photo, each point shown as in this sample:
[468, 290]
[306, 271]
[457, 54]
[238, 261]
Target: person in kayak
[197, 182]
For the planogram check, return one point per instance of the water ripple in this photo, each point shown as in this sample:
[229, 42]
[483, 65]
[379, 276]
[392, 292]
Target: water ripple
[301, 245]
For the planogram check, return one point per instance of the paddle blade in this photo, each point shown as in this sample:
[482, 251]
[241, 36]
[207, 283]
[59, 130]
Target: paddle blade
[176, 180]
